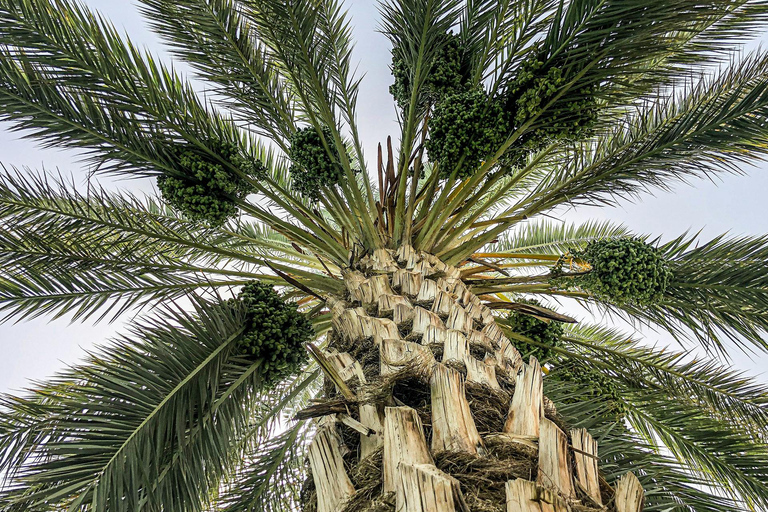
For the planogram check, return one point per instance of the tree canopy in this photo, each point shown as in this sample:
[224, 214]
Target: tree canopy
[508, 110]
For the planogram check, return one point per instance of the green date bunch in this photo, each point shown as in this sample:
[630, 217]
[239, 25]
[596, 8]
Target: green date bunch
[203, 189]
[466, 128]
[446, 75]
[546, 333]
[313, 166]
[623, 271]
[592, 383]
[538, 85]
[275, 334]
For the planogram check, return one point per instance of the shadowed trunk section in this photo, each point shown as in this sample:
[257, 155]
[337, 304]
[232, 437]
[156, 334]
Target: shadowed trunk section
[444, 413]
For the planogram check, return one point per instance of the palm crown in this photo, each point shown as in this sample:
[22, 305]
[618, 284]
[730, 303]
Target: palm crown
[508, 109]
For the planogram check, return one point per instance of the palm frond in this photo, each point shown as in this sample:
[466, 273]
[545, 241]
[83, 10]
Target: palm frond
[606, 58]
[221, 44]
[718, 292]
[720, 391]
[668, 487]
[495, 35]
[634, 46]
[65, 252]
[720, 35]
[417, 32]
[272, 475]
[710, 418]
[71, 80]
[310, 41]
[719, 451]
[154, 418]
[554, 238]
[698, 130]
[270, 461]
[292, 33]
[336, 30]
[490, 200]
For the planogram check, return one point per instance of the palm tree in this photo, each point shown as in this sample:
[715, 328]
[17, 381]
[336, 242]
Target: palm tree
[323, 332]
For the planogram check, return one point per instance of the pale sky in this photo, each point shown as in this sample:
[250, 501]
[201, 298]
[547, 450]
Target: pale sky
[36, 349]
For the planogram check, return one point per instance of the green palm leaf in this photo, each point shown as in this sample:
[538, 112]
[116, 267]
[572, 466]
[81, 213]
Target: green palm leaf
[633, 46]
[718, 292]
[724, 393]
[215, 37]
[668, 487]
[417, 30]
[711, 418]
[310, 43]
[70, 78]
[555, 238]
[272, 475]
[719, 451]
[271, 455]
[698, 130]
[717, 37]
[166, 438]
[495, 34]
[67, 252]
[73, 81]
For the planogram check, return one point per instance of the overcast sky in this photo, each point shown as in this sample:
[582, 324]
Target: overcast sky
[36, 349]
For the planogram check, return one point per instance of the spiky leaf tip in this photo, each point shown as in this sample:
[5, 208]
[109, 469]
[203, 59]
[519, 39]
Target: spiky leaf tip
[624, 271]
[466, 128]
[203, 189]
[546, 333]
[313, 167]
[276, 332]
[446, 75]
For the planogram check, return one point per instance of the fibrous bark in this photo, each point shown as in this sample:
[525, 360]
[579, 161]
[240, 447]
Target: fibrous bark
[453, 428]
[585, 452]
[331, 480]
[410, 341]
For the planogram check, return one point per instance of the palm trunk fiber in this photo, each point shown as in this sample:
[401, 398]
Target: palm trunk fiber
[430, 408]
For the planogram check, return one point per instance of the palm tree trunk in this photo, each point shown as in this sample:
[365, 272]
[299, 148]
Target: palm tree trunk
[430, 408]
